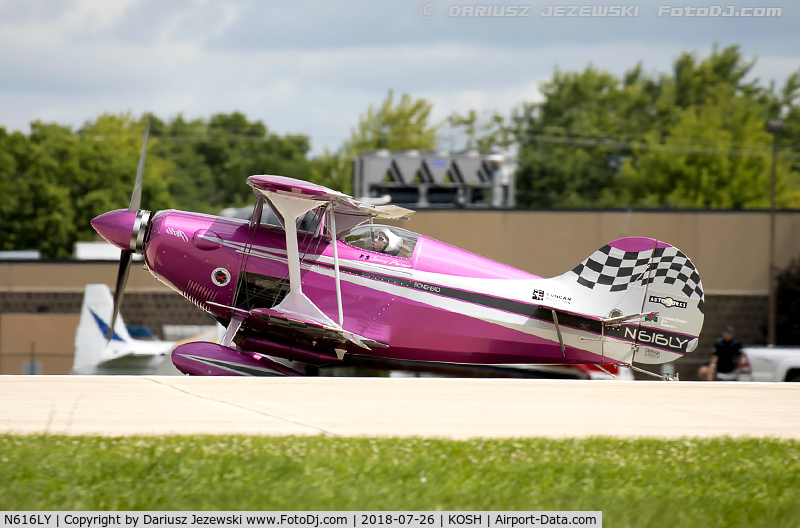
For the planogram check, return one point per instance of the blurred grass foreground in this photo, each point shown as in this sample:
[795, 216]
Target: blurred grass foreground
[687, 482]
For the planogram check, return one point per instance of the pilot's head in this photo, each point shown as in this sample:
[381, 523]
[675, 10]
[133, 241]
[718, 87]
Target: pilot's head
[387, 242]
[380, 241]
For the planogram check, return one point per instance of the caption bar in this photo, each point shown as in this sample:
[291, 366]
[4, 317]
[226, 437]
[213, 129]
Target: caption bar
[301, 520]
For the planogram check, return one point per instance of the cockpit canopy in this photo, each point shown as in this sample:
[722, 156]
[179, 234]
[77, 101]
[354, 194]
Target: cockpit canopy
[390, 240]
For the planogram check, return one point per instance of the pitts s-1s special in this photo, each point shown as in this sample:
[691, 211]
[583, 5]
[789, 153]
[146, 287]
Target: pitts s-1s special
[328, 283]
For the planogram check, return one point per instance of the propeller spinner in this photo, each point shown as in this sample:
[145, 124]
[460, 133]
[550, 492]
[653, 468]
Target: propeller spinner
[126, 229]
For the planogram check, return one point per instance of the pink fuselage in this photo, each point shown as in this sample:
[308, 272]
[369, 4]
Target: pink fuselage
[227, 262]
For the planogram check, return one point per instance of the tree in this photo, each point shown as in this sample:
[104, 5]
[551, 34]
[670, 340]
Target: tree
[573, 143]
[400, 126]
[210, 160]
[333, 170]
[716, 156]
[788, 110]
[714, 152]
[695, 138]
[109, 149]
[35, 209]
[484, 135]
[191, 180]
[54, 181]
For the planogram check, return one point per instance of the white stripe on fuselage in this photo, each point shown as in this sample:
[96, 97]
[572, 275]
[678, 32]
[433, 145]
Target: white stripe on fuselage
[507, 289]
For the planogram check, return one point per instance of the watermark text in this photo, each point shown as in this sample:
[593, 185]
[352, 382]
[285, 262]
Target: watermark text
[590, 11]
[719, 11]
[489, 11]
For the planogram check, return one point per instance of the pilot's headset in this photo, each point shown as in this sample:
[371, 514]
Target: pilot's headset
[395, 242]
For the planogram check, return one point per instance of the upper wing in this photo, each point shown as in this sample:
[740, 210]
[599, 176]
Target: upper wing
[342, 203]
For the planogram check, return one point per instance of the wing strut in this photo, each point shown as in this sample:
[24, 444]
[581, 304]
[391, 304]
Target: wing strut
[230, 332]
[558, 331]
[332, 220]
[290, 209]
[296, 306]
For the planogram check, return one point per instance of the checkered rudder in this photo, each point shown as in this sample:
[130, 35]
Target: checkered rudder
[613, 269]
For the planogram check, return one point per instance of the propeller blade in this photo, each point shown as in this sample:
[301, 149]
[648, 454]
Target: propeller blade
[126, 255]
[136, 197]
[122, 279]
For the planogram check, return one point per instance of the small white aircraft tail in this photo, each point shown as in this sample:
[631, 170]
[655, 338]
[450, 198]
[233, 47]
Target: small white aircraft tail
[95, 354]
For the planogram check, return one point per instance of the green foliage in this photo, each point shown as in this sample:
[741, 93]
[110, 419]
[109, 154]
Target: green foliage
[394, 126]
[400, 126]
[469, 123]
[716, 152]
[573, 144]
[716, 156]
[110, 148]
[54, 181]
[684, 482]
[693, 139]
[210, 159]
[789, 97]
[34, 202]
[334, 171]
[496, 133]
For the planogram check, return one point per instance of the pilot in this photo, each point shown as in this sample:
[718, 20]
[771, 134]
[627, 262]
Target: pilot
[387, 242]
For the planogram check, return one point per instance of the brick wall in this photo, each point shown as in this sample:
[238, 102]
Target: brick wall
[150, 309]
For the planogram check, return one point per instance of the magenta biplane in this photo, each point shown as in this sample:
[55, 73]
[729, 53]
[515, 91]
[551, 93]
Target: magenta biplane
[328, 284]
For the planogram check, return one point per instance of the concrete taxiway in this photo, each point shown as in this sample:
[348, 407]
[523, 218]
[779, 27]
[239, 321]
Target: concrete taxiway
[425, 407]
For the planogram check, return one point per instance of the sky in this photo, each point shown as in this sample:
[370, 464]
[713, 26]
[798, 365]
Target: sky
[313, 67]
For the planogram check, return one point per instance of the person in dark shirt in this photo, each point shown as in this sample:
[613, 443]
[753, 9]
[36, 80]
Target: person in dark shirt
[725, 358]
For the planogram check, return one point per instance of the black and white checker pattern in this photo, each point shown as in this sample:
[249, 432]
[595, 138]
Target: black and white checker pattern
[615, 270]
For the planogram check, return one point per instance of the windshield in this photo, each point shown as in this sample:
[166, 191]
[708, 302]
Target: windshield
[382, 239]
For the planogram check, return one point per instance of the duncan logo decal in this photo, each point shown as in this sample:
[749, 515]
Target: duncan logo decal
[220, 277]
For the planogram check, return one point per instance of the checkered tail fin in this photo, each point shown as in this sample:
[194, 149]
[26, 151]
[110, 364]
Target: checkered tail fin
[634, 275]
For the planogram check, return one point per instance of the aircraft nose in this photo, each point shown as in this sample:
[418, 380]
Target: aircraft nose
[116, 227]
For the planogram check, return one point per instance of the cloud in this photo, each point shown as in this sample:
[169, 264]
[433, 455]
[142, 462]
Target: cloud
[313, 67]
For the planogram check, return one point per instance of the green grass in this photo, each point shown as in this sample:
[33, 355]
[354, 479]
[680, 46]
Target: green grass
[691, 482]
